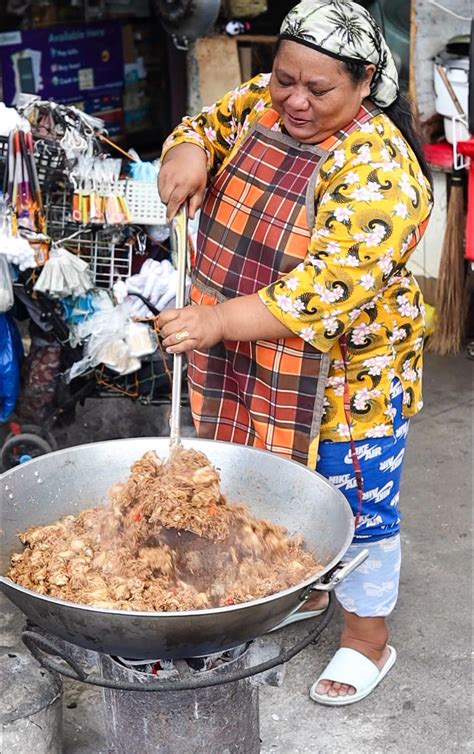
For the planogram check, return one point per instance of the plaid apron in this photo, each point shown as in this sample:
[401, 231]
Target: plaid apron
[255, 226]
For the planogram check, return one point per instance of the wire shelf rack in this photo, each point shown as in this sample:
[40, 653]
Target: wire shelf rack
[107, 260]
[103, 248]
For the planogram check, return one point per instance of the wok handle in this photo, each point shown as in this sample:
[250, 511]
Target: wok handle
[330, 580]
[42, 650]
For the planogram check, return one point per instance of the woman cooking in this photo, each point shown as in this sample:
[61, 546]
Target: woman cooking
[305, 332]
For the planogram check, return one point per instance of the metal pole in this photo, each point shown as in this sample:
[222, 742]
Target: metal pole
[179, 248]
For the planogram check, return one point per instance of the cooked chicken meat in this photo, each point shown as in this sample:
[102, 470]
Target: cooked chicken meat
[168, 541]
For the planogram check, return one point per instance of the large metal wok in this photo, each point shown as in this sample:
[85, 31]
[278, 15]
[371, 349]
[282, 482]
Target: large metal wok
[68, 481]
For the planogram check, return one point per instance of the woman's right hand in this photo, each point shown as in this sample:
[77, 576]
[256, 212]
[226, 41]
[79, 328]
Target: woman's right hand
[182, 177]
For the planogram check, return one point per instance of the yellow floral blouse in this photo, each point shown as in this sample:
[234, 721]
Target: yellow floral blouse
[371, 197]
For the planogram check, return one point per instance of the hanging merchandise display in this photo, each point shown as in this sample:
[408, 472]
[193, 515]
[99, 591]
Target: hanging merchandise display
[111, 338]
[22, 189]
[79, 308]
[63, 275]
[14, 249]
[156, 281]
[63, 124]
[10, 119]
[17, 251]
[97, 197]
[69, 232]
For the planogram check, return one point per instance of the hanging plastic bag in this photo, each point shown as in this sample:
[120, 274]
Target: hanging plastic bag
[64, 274]
[142, 171]
[11, 353]
[76, 310]
[141, 340]
[105, 335]
[6, 286]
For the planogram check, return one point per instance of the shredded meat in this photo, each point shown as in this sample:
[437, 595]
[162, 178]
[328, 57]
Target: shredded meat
[168, 541]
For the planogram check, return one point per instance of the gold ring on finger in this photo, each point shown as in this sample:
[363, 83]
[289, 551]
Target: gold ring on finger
[181, 335]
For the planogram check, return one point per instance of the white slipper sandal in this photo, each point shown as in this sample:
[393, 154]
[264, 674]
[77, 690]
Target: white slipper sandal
[354, 669]
[299, 615]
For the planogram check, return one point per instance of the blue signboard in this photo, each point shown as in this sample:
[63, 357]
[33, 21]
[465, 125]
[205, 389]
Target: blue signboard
[62, 63]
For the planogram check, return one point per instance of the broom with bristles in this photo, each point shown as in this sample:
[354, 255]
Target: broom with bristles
[449, 301]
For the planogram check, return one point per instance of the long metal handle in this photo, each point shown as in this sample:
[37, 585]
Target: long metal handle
[179, 248]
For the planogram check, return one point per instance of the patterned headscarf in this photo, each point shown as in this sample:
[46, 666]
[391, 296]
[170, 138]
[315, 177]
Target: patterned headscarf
[345, 30]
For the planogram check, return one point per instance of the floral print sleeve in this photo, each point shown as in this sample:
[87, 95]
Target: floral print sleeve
[218, 128]
[368, 212]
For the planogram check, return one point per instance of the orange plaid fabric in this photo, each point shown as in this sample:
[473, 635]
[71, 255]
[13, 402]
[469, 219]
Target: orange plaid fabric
[268, 394]
[254, 228]
[254, 224]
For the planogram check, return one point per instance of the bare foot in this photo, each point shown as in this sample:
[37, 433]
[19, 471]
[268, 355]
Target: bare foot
[317, 601]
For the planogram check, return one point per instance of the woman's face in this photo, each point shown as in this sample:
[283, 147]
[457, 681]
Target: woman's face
[313, 93]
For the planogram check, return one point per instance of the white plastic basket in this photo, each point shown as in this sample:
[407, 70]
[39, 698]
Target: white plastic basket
[144, 203]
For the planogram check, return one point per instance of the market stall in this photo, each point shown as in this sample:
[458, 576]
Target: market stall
[85, 257]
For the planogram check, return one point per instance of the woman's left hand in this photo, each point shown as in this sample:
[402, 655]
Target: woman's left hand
[192, 327]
